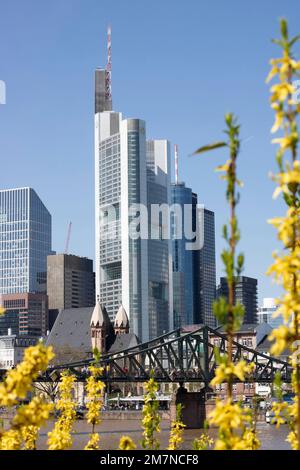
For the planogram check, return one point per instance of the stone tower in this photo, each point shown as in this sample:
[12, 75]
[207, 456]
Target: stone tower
[121, 321]
[101, 329]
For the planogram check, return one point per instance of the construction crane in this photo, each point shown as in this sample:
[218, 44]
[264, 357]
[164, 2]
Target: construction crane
[68, 239]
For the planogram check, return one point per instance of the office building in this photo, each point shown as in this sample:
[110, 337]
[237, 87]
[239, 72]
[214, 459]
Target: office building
[70, 283]
[194, 259]
[131, 271]
[245, 293]
[183, 259]
[205, 270]
[26, 314]
[159, 246]
[267, 313]
[25, 241]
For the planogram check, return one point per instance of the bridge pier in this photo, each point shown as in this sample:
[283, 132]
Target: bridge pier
[195, 408]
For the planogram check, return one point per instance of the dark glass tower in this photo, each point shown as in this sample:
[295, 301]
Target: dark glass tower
[245, 294]
[183, 264]
[194, 271]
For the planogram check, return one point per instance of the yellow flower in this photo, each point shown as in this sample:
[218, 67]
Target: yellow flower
[228, 372]
[281, 91]
[33, 414]
[10, 440]
[282, 337]
[60, 437]
[203, 443]
[30, 435]
[287, 142]
[126, 443]
[93, 443]
[278, 121]
[292, 439]
[94, 388]
[18, 381]
[177, 428]
[151, 417]
[233, 422]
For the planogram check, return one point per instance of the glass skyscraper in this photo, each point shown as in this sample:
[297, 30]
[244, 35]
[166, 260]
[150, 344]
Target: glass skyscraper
[134, 272]
[25, 242]
[194, 271]
[245, 293]
[183, 269]
[205, 270]
[159, 249]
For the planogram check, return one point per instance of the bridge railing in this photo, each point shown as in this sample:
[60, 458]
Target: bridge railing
[175, 357]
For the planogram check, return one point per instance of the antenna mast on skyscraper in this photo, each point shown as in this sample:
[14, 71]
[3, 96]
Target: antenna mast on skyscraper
[176, 163]
[108, 65]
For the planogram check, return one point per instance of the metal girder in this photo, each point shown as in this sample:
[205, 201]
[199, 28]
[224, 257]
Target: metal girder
[176, 357]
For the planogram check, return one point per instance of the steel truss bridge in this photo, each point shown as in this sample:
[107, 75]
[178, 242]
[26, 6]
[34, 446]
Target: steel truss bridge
[176, 357]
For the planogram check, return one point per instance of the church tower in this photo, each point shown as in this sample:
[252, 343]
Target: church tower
[121, 321]
[100, 328]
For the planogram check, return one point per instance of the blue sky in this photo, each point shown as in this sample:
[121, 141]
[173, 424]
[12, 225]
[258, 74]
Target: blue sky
[178, 65]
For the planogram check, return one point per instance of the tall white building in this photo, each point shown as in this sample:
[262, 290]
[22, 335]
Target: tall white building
[128, 171]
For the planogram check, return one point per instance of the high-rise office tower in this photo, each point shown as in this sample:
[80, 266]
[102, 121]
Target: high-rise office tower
[205, 270]
[245, 293]
[121, 181]
[183, 259]
[129, 270]
[70, 283]
[25, 241]
[194, 270]
[159, 247]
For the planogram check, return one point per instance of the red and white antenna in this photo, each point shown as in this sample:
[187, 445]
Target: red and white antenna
[176, 163]
[108, 65]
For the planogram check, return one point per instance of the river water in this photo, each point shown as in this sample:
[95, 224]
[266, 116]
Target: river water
[111, 430]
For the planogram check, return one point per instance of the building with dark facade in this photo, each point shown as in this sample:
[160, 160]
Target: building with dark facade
[70, 283]
[245, 294]
[26, 314]
[194, 267]
[205, 270]
[183, 259]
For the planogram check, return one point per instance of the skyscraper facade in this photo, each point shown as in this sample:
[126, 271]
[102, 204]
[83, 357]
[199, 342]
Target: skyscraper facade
[159, 246]
[205, 270]
[194, 270]
[121, 180]
[25, 241]
[183, 259]
[130, 270]
[245, 293]
[70, 283]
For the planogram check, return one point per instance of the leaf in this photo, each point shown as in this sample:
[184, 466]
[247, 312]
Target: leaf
[278, 41]
[284, 28]
[207, 148]
[295, 39]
